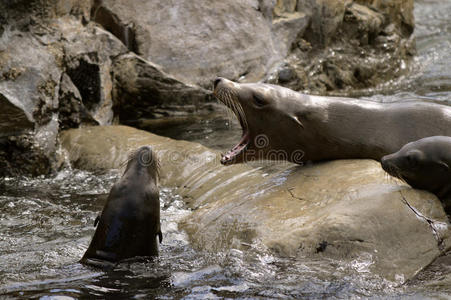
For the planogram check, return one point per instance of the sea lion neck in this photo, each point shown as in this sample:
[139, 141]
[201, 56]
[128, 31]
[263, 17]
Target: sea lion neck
[136, 169]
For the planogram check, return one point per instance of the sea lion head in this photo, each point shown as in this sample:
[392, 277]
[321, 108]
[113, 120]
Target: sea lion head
[144, 160]
[267, 114]
[423, 164]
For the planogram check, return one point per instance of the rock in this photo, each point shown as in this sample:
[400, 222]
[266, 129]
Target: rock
[287, 28]
[89, 54]
[344, 210]
[346, 35]
[326, 17]
[71, 111]
[284, 7]
[141, 88]
[436, 276]
[52, 73]
[29, 96]
[198, 41]
[286, 74]
[13, 119]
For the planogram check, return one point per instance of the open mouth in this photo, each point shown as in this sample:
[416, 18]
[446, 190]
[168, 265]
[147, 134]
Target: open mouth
[229, 99]
[230, 156]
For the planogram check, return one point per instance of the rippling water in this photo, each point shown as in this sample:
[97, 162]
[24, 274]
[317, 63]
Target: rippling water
[47, 223]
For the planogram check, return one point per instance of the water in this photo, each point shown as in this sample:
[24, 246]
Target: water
[47, 223]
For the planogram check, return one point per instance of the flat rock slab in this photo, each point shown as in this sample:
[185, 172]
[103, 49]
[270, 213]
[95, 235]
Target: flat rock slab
[348, 210]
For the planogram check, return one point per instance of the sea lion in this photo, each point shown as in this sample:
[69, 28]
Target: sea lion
[130, 220]
[281, 124]
[424, 164]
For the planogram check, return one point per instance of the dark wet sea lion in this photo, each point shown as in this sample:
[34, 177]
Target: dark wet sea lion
[130, 220]
[281, 124]
[424, 164]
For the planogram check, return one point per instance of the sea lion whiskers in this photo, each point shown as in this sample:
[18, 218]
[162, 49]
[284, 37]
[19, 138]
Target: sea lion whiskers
[229, 98]
[230, 115]
[392, 173]
[395, 170]
[238, 110]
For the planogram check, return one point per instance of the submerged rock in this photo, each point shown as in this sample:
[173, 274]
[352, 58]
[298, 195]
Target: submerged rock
[346, 210]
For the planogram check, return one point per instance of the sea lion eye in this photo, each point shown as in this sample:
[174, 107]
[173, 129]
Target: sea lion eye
[259, 100]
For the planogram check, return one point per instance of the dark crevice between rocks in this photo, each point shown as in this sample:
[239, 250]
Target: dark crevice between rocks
[86, 77]
[111, 22]
[440, 242]
[71, 111]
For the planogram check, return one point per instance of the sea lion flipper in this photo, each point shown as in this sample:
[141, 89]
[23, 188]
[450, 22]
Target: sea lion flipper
[160, 236]
[96, 221]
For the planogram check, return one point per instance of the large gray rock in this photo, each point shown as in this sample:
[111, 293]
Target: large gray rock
[343, 210]
[29, 95]
[141, 88]
[198, 41]
[324, 45]
[89, 54]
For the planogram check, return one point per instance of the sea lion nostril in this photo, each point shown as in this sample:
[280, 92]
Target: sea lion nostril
[217, 81]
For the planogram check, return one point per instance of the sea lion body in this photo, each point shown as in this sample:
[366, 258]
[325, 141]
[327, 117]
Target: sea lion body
[424, 164]
[298, 127]
[130, 220]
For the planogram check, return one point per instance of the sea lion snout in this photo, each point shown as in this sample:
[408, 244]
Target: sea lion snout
[423, 164]
[386, 162]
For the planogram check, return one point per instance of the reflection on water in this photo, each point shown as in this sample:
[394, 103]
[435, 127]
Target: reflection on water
[47, 223]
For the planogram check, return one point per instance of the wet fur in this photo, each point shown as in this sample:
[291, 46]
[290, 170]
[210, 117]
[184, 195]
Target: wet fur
[130, 220]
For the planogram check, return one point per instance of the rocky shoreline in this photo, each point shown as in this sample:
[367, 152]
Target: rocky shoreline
[65, 64]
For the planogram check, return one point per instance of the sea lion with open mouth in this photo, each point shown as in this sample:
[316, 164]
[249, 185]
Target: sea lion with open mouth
[130, 221]
[424, 164]
[281, 124]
